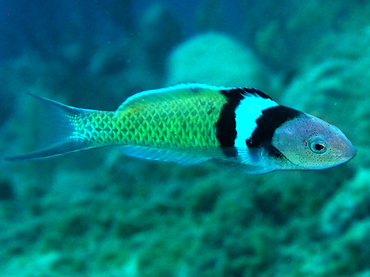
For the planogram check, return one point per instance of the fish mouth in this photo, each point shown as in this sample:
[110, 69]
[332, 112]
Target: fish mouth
[348, 155]
[351, 153]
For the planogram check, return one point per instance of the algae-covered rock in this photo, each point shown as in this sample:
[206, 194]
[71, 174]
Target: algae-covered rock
[336, 90]
[216, 59]
[289, 30]
[349, 205]
[324, 90]
[349, 253]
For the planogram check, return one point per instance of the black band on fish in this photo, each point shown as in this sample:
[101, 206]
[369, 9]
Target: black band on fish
[226, 124]
[268, 122]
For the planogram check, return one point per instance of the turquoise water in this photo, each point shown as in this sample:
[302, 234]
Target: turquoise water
[100, 213]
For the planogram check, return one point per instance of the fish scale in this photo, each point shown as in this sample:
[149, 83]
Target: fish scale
[158, 127]
[153, 126]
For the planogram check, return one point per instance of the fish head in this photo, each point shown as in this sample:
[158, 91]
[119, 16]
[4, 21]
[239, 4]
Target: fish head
[311, 143]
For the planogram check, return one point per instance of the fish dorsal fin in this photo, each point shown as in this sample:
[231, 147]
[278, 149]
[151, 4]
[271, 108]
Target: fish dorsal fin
[252, 91]
[180, 91]
[179, 157]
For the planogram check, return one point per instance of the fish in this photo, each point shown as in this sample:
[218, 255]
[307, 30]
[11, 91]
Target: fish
[192, 123]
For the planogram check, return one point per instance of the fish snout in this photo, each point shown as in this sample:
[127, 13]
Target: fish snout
[348, 153]
[352, 151]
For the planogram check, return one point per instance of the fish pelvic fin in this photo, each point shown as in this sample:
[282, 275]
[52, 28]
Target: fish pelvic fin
[60, 131]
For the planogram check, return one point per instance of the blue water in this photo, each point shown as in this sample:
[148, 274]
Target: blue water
[38, 23]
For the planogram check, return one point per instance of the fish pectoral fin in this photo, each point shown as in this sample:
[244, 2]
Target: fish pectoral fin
[252, 161]
[166, 155]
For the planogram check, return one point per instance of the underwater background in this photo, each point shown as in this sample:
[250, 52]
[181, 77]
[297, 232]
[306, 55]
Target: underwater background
[100, 213]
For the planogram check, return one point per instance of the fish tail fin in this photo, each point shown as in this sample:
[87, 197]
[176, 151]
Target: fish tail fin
[60, 130]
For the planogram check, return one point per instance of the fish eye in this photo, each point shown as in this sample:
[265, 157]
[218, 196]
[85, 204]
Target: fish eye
[318, 146]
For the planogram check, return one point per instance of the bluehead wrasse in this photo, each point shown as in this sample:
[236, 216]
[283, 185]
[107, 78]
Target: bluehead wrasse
[192, 123]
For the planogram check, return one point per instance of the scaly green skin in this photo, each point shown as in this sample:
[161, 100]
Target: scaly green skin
[171, 124]
[97, 127]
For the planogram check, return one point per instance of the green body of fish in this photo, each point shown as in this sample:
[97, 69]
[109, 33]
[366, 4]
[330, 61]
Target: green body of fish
[176, 122]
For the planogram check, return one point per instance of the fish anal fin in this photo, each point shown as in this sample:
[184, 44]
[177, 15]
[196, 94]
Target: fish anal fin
[236, 167]
[179, 157]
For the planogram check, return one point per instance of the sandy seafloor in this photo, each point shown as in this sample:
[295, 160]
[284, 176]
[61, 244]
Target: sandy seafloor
[100, 213]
